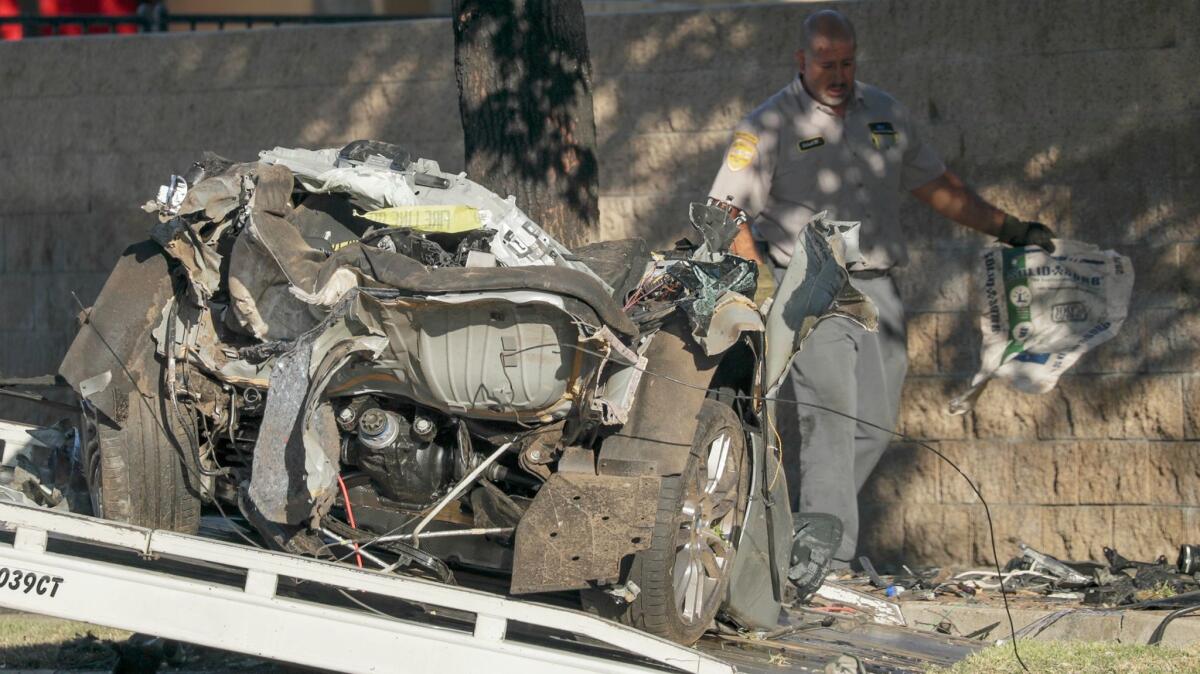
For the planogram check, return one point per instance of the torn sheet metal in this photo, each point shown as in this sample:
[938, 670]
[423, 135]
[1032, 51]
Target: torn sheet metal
[815, 286]
[733, 315]
[621, 373]
[269, 259]
[645, 443]
[882, 611]
[317, 170]
[615, 398]
[201, 264]
[279, 484]
[714, 224]
[116, 337]
[199, 331]
[298, 443]
[215, 198]
[579, 528]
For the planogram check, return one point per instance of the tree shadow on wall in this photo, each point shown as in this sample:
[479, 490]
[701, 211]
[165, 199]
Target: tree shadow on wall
[1126, 191]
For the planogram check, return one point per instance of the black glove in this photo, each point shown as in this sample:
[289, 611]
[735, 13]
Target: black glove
[1017, 233]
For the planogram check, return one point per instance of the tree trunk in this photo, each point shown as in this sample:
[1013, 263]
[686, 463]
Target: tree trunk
[525, 95]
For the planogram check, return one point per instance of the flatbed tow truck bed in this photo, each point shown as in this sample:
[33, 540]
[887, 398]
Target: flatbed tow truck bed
[337, 617]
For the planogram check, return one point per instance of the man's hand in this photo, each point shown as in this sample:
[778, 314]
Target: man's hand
[950, 197]
[1017, 233]
[744, 245]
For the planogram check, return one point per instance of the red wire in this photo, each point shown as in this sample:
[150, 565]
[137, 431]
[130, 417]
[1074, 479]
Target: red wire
[349, 516]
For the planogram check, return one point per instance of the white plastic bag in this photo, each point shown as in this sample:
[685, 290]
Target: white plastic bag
[1041, 312]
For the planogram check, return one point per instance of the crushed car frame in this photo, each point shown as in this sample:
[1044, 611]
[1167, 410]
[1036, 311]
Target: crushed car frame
[374, 360]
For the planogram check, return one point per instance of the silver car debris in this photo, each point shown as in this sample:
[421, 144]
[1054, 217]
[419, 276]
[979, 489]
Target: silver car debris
[373, 360]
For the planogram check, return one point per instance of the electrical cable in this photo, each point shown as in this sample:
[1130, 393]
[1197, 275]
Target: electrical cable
[347, 543]
[920, 443]
[350, 517]
[189, 429]
[1160, 631]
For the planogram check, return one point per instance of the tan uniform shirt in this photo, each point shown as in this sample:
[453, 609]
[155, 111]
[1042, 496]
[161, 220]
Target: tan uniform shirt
[794, 157]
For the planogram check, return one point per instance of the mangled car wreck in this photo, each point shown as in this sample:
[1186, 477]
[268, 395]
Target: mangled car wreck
[370, 358]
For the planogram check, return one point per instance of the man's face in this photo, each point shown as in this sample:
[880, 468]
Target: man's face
[828, 69]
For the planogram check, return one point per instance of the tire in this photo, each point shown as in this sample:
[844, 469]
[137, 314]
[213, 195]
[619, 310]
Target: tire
[684, 574]
[136, 474]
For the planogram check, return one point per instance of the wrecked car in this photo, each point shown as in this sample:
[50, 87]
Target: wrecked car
[374, 360]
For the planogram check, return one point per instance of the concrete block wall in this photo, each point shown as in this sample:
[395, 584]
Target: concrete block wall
[1080, 113]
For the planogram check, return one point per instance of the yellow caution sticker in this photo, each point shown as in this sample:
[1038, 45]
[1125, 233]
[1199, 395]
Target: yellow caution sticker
[741, 151]
[429, 219]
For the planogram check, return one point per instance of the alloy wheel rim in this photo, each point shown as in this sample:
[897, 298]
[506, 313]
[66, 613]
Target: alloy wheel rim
[704, 543]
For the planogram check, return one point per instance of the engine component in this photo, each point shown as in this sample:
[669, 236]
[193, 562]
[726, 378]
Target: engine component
[403, 466]
[424, 428]
[378, 429]
[252, 402]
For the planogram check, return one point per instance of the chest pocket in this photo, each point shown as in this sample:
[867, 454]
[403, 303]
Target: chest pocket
[883, 136]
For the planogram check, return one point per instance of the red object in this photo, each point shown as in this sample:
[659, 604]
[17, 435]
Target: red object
[67, 8]
[349, 516]
[10, 31]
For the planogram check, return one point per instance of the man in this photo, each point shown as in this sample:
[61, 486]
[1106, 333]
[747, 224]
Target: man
[827, 142]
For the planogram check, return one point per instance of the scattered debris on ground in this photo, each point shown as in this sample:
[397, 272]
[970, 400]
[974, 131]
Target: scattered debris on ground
[1118, 581]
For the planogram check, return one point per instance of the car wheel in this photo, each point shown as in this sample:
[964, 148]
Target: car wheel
[136, 472]
[683, 576]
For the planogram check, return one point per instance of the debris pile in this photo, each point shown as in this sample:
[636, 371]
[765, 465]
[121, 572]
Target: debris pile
[1117, 582]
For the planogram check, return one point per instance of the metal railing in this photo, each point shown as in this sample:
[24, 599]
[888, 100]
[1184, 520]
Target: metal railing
[153, 18]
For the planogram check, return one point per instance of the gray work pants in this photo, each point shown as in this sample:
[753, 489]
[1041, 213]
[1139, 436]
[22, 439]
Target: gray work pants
[827, 458]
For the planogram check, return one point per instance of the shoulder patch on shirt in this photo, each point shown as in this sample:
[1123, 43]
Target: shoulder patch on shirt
[741, 151]
[810, 143]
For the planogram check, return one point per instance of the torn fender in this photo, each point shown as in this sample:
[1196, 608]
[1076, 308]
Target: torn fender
[658, 436]
[116, 337]
[816, 286]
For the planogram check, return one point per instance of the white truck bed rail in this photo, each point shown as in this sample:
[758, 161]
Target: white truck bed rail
[256, 620]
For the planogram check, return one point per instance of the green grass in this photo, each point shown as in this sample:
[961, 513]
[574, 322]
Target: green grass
[28, 641]
[1062, 657]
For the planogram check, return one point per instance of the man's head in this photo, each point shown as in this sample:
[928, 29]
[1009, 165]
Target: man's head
[826, 57]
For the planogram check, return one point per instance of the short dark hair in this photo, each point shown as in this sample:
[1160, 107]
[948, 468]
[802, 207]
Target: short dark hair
[828, 22]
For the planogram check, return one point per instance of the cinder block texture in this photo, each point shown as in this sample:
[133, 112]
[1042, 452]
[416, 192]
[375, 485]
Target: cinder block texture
[1079, 115]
